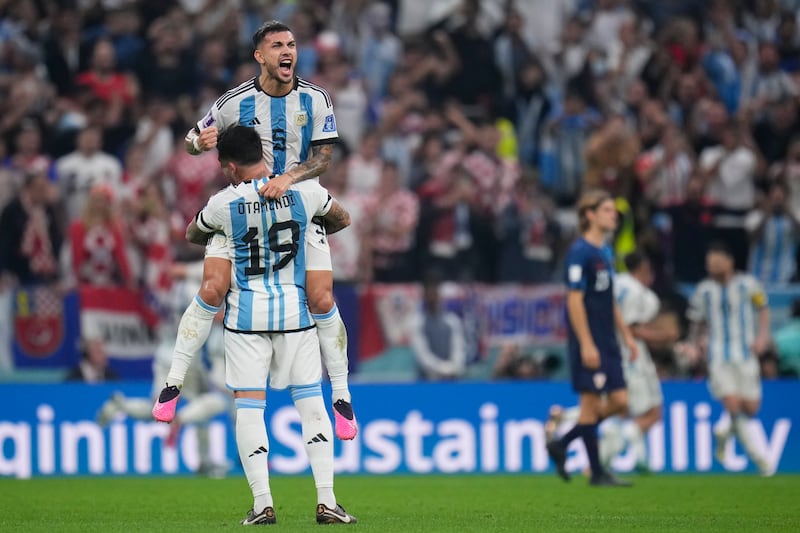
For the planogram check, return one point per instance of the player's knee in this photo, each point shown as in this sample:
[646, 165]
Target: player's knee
[211, 292]
[320, 300]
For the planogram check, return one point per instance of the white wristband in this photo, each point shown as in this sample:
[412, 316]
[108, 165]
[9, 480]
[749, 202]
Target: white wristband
[196, 145]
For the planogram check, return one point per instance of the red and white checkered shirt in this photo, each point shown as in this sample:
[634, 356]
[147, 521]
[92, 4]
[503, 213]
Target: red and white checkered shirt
[395, 222]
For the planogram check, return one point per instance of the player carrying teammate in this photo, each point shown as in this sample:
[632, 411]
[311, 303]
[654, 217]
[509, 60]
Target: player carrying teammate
[297, 127]
[270, 331]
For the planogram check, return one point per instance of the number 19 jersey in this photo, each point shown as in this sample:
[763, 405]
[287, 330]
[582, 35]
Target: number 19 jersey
[266, 245]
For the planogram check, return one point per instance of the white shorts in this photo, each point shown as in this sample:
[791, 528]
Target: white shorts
[318, 251]
[735, 378]
[286, 358]
[217, 246]
[644, 387]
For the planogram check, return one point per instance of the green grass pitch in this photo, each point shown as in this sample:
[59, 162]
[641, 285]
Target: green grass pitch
[458, 503]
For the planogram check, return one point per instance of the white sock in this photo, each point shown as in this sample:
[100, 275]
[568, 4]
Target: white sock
[193, 331]
[318, 438]
[138, 408]
[741, 428]
[202, 408]
[569, 417]
[722, 429]
[253, 445]
[635, 438]
[333, 345]
[611, 442]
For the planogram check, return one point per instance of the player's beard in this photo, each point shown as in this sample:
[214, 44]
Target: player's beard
[277, 74]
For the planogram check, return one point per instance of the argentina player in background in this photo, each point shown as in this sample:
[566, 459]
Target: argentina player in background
[295, 121]
[592, 320]
[730, 308]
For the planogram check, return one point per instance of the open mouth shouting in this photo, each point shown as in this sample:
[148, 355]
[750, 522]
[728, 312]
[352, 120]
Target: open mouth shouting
[286, 68]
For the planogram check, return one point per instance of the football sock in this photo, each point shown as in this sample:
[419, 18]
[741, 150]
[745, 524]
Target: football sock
[632, 433]
[202, 408]
[137, 408]
[612, 441]
[589, 435]
[741, 428]
[333, 345]
[253, 446]
[569, 416]
[723, 426]
[318, 439]
[193, 331]
[570, 436]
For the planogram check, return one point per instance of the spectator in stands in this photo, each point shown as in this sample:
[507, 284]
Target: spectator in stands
[393, 227]
[98, 245]
[787, 343]
[28, 155]
[118, 89]
[30, 239]
[774, 131]
[774, 231]
[437, 337]
[93, 366]
[365, 165]
[530, 238]
[83, 168]
[730, 170]
[351, 250]
[62, 49]
[691, 231]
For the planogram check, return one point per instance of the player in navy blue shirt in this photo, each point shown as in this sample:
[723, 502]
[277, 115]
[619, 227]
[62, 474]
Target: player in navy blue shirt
[592, 321]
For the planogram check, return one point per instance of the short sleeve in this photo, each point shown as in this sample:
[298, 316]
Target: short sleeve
[211, 118]
[212, 217]
[695, 312]
[324, 128]
[576, 270]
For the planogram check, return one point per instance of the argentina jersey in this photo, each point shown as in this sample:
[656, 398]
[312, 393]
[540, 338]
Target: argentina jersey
[266, 245]
[288, 125]
[773, 257]
[730, 313]
[637, 304]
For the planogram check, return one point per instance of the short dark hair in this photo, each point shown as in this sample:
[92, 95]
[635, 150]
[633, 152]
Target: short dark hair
[272, 26]
[720, 247]
[241, 145]
[634, 260]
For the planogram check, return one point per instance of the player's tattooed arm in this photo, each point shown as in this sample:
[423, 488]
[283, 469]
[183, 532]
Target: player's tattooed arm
[195, 235]
[312, 167]
[336, 219]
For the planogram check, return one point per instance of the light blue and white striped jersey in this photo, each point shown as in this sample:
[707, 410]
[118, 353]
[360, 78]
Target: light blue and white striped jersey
[773, 257]
[266, 245]
[637, 304]
[731, 314]
[288, 125]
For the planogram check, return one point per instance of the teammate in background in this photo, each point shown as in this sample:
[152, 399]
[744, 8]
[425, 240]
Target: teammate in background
[296, 124]
[270, 331]
[638, 305]
[595, 358]
[731, 308]
[204, 388]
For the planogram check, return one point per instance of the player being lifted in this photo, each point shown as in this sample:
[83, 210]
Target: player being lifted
[592, 317]
[296, 124]
[270, 333]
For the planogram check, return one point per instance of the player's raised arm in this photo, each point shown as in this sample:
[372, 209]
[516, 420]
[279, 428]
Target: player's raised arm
[199, 141]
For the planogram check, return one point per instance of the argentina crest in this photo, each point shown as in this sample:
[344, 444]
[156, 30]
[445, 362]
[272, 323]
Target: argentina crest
[300, 118]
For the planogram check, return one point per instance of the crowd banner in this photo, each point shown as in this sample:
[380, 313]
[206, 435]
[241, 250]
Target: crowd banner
[45, 327]
[121, 318]
[404, 428]
[494, 314]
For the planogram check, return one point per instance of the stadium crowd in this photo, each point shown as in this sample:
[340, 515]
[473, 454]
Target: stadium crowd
[468, 131]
